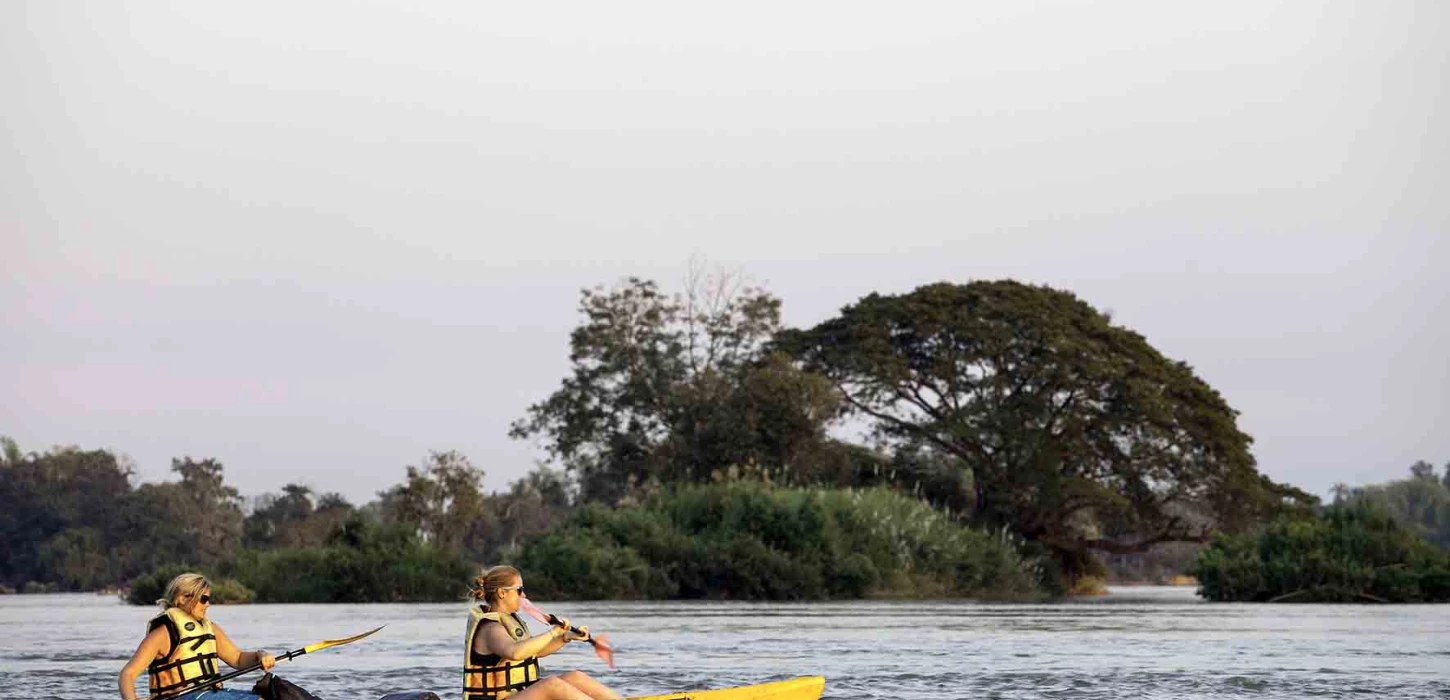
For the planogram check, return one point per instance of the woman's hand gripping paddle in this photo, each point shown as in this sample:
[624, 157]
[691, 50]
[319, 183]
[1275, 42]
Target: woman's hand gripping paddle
[602, 647]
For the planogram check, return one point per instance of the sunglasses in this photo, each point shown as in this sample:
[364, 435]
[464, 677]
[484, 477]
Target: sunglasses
[205, 600]
[520, 589]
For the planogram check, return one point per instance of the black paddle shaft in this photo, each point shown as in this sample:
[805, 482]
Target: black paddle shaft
[555, 621]
[324, 644]
[242, 671]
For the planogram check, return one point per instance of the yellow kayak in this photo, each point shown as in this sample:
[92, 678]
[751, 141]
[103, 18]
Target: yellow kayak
[803, 688]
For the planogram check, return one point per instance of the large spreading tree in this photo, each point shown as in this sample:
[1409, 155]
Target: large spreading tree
[1078, 434]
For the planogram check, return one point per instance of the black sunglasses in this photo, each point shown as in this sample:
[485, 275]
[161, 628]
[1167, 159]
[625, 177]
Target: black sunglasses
[206, 599]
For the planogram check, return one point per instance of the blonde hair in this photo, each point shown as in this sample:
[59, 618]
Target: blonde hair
[486, 585]
[183, 586]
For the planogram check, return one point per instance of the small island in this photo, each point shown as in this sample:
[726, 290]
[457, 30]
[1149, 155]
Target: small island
[1017, 445]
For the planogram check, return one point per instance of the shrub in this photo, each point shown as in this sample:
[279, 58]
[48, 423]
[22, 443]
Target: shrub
[751, 541]
[363, 562]
[1353, 553]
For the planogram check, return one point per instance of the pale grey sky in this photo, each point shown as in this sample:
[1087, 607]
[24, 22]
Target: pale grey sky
[317, 240]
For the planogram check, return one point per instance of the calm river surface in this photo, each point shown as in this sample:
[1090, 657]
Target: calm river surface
[1136, 643]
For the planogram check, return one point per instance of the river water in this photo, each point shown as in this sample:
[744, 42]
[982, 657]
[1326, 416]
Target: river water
[1146, 642]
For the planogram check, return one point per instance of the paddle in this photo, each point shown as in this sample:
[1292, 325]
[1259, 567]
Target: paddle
[324, 644]
[602, 647]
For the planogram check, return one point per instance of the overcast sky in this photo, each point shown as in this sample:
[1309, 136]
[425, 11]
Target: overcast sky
[318, 240]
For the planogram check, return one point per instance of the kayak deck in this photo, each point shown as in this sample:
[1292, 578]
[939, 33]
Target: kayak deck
[802, 688]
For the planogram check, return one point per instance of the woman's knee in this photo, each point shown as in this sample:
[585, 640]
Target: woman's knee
[555, 687]
[571, 677]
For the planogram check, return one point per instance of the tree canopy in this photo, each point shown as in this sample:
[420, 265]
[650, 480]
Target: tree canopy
[1078, 434]
[1421, 503]
[676, 388]
[70, 517]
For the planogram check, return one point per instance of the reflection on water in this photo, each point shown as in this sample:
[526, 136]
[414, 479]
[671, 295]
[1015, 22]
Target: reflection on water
[1137, 642]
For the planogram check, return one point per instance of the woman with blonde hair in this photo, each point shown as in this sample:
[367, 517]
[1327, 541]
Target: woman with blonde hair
[182, 646]
[501, 659]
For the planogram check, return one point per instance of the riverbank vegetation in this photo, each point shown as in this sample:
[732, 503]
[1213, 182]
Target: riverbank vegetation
[1350, 554]
[1380, 543]
[1006, 437]
[751, 541]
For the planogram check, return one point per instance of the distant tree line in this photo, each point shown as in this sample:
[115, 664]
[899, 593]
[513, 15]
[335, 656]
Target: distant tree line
[72, 519]
[1010, 409]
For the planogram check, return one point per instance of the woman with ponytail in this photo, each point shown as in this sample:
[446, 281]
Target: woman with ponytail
[501, 658]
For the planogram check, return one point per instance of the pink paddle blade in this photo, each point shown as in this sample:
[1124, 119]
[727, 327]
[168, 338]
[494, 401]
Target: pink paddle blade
[602, 647]
[533, 610]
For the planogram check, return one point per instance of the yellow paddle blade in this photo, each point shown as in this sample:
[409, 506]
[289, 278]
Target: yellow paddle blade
[326, 643]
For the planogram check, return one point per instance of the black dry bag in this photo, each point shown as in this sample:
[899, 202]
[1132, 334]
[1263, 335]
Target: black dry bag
[277, 688]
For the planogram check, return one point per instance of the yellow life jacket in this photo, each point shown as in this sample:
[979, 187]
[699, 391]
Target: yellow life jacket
[490, 676]
[192, 661]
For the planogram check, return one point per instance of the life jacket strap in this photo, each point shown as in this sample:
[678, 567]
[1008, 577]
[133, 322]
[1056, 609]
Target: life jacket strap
[208, 668]
[515, 677]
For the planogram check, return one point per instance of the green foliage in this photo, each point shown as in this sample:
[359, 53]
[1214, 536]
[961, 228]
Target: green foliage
[589, 564]
[291, 519]
[208, 510]
[921, 469]
[443, 499]
[751, 541]
[1076, 432]
[1421, 503]
[363, 562]
[230, 590]
[667, 389]
[1350, 554]
[10, 454]
[150, 587]
[66, 519]
[70, 520]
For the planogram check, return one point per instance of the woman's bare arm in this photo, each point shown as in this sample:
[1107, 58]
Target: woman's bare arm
[236, 658]
[494, 639]
[157, 643]
[565, 636]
